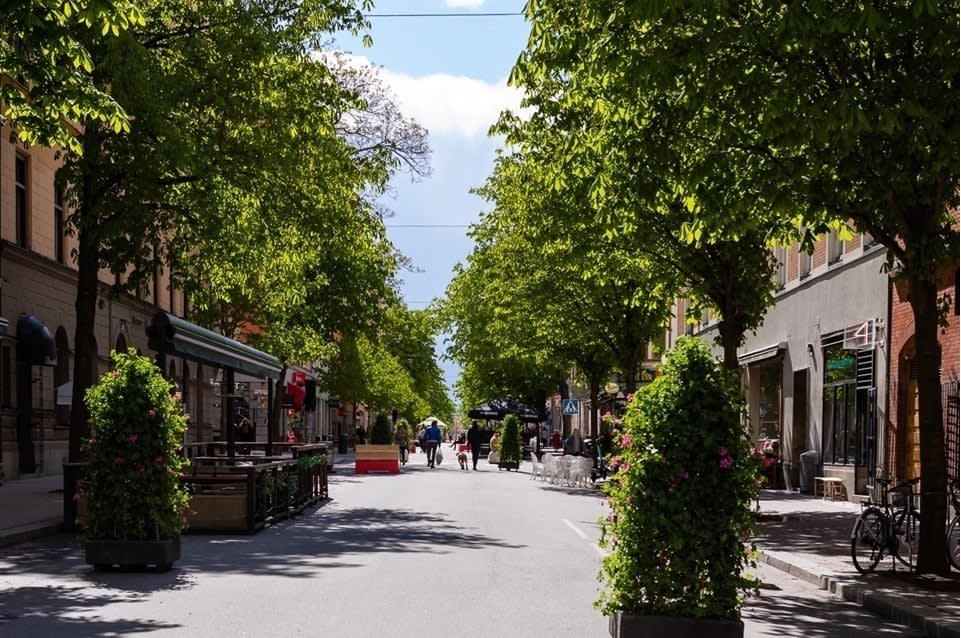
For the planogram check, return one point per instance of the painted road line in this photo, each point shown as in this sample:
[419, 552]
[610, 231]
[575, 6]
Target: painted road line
[580, 533]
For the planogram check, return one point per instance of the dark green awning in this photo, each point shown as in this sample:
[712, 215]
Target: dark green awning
[171, 335]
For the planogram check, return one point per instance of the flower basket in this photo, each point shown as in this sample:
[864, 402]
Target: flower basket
[135, 502]
[684, 455]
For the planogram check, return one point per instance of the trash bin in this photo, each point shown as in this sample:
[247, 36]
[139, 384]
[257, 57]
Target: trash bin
[808, 470]
[342, 444]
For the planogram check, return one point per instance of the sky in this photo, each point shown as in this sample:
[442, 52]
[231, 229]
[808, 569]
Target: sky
[450, 75]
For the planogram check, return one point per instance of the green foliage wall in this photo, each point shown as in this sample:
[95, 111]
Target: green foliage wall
[681, 505]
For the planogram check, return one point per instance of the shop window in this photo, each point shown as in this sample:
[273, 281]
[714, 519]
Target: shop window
[769, 408]
[840, 417]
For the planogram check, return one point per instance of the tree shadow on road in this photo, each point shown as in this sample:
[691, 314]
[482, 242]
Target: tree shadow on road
[66, 611]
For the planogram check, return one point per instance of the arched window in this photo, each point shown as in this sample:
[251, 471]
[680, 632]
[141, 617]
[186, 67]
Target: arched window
[121, 343]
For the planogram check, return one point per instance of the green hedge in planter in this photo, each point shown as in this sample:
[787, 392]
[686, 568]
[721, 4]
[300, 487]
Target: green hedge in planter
[381, 433]
[681, 502]
[132, 481]
[510, 441]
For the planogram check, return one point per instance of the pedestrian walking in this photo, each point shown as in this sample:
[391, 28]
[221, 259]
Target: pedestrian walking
[574, 444]
[474, 440]
[432, 437]
[402, 442]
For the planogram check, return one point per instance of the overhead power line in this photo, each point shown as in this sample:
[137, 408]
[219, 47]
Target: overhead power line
[486, 14]
[427, 225]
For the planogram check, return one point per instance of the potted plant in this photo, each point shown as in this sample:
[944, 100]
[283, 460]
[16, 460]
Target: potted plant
[380, 454]
[135, 503]
[509, 454]
[680, 507]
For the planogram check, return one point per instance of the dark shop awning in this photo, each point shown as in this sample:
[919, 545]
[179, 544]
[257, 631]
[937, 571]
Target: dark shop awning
[171, 335]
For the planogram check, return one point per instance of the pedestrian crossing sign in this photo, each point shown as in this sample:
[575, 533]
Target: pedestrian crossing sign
[570, 406]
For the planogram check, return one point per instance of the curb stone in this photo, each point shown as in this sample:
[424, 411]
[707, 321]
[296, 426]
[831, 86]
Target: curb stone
[887, 606]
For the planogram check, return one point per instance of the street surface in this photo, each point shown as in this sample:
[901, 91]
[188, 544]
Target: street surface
[430, 553]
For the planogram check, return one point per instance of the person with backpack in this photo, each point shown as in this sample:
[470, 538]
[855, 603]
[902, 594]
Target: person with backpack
[432, 436]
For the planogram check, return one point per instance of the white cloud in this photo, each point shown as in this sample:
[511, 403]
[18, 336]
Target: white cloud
[447, 104]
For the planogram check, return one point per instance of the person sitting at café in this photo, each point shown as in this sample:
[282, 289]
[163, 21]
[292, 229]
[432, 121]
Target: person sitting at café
[574, 444]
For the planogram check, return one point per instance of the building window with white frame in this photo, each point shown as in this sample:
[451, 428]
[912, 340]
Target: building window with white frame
[780, 265]
[835, 247]
[804, 264]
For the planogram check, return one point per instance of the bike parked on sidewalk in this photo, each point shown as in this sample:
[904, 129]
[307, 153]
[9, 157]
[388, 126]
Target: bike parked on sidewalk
[891, 527]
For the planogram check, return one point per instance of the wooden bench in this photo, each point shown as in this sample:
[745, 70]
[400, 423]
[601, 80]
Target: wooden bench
[831, 487]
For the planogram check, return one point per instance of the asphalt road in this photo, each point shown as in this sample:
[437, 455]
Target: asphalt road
[430, 553]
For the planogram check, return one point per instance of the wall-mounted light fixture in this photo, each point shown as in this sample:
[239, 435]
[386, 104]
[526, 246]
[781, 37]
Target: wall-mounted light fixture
[810, 349]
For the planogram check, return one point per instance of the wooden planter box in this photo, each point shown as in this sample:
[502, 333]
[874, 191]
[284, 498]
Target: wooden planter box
[106, 554]
[218, 512]
[627, 626]
[377, 458]
[508, 465]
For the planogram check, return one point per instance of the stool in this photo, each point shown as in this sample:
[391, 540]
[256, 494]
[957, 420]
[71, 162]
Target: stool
[832, 487]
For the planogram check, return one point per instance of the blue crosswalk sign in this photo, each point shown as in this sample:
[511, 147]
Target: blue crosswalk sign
[570, 406]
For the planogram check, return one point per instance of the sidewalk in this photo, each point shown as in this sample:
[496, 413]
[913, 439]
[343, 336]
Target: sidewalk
[810, 538]
[804, 536]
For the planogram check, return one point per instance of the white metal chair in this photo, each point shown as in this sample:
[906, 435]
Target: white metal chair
[548, 467]
[537, 468]
[562, 468]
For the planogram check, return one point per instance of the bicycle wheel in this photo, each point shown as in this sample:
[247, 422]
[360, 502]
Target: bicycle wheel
[908, 534]
[953, 543]
[867, 540]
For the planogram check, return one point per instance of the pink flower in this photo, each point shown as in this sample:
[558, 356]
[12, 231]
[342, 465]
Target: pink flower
[133, 438]
[178, 396]
[726, 463]
[767, 462]
[625, 441]
[722, 451]
[152, 412]
[118, 460]
[142, 469]
[159, 459]
[77, 496]
[685, 475]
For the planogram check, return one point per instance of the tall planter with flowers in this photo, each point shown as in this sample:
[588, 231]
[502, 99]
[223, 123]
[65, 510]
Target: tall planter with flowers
[135, 501]
[680, 506]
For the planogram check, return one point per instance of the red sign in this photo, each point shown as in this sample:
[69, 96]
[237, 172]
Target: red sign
[299, 377]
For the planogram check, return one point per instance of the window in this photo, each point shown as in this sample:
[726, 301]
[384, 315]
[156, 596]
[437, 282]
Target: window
[780, 265]
[21, 202]
[848, 416]
[58, 221]
[804, 264]
[6, 377]
[835, 247]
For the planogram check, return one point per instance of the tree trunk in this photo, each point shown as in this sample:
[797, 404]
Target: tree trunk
[85, 344]
[595, 389]
[932, 558]
[730, 340]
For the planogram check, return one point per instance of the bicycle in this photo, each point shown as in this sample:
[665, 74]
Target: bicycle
[888, 528]
[954, 544]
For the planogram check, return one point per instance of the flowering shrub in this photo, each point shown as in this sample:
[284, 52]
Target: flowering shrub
[132, 481]
[680, 508]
